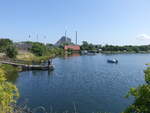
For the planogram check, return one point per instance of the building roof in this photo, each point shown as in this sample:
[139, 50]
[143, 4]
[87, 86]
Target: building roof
[73, 47]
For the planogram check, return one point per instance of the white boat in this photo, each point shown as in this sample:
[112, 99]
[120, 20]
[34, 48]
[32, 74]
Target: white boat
[112, 61]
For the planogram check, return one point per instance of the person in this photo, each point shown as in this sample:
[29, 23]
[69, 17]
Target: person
[49, 62]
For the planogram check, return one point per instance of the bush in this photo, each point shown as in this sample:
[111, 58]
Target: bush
[8, 94]
[142, 97]
[38, 49]
[11, 52]
[4, 44]
[11, 72]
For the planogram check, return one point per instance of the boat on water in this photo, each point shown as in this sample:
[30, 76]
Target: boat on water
[112, 61]
[84, 52]
[90, 53]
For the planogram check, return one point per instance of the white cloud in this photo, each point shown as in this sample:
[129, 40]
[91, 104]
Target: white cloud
[143, 37]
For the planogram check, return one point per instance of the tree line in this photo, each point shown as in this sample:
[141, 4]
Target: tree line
[114, 48]
[8, 47]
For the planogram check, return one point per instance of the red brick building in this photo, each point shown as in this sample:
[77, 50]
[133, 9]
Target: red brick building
[72, 47]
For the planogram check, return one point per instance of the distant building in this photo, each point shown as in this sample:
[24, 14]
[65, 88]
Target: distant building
[63, 40]
[72, 47]
[23, 46]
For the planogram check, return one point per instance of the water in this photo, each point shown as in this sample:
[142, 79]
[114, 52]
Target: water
[87, 82]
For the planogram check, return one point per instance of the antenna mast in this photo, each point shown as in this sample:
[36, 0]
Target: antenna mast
[65, 35]
[37, 37]
[76, 37]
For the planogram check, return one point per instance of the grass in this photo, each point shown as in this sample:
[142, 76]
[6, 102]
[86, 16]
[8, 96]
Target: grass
[30, 57]
[25, 55]
[11, 72]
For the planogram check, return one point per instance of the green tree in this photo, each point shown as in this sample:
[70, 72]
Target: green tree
[8, 94]
[147, 75]
[86, 46]
[38, 49]
[11, 52]
[141, 96]
[4, 44]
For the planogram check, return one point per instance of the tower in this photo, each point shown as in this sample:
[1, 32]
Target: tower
[65, 35]
[76, 37]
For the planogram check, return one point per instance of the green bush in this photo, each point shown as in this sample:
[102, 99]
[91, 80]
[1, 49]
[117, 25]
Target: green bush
[141, 96]
[8, 94]
[11, 72]
[4, 44]
[11, 52]
[38, 49]
[7, 47]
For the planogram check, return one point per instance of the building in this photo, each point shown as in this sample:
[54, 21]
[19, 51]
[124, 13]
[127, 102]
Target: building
[72, 47]
[23, 46]
[63, 40]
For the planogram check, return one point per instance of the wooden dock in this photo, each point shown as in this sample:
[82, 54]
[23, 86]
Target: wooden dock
[29, 67]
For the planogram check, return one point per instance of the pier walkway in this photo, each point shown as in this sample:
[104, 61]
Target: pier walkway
[29, 67]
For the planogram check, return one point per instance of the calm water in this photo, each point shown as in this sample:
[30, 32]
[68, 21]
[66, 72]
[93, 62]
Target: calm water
[88, 82]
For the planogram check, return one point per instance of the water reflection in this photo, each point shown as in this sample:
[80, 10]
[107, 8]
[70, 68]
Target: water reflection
[13, 77]
[72, 55]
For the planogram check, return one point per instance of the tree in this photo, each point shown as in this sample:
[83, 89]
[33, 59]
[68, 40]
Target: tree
[147, 75]
[7, 47]
[11, 52]
[38, 49]
[86, 46]
[8, 94]
[141, 95]
[4, 44]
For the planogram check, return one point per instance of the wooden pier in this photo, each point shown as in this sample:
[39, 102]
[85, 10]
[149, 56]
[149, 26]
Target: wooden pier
[29, 67]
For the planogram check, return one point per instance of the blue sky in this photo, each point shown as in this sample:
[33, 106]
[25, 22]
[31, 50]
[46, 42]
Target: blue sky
[119, 22]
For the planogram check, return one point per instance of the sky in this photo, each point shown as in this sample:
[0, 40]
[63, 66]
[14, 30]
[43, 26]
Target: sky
[117, 22]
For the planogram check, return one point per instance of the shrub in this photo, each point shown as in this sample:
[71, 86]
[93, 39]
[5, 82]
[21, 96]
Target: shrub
[8, 94]
[141, 96]
[4, 43]
[11, 52]
[38, 49]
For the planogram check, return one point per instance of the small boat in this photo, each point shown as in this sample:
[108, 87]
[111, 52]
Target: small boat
[112, 61]
[90, 53]
[84, 52]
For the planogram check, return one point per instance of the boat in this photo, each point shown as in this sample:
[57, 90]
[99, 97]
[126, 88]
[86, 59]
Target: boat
[91, 53]
[112, 61]
[84, 52]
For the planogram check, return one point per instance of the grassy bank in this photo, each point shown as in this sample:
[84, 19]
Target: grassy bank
[30, 57]
[11, 72]
[8, 92]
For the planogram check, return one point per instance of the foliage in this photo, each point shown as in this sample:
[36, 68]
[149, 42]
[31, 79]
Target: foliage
[4, 44]
[69, 50]
[11, 52]
[11, 72]
[129, 48]
[86, 46]
[40, 52]
[147, 75]
[7, 47]
[114, 48]
[141, 95]
[8, 94]
[38, 49]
